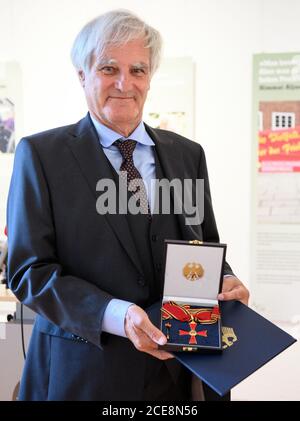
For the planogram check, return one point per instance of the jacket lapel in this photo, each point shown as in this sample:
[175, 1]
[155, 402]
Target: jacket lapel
[84, 144]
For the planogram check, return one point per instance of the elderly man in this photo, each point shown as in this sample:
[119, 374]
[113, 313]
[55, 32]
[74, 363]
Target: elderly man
[91, 276]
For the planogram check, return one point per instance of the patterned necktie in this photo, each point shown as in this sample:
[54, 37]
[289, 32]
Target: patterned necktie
[126, 149]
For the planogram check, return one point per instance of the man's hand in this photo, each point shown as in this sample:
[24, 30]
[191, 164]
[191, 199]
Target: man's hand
[143, 334]
[234, 289]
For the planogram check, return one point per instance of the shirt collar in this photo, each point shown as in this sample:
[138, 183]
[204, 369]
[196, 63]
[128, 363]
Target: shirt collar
[108, 136]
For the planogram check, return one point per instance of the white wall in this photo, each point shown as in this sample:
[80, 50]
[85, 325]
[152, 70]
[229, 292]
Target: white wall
[220, 35]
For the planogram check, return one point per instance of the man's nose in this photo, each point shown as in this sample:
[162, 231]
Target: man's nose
[123, 82]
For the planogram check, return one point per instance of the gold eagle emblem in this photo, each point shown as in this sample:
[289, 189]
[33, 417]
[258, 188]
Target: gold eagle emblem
[193, 271]
[228, 337]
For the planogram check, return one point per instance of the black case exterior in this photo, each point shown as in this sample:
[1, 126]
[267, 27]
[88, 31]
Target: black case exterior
[173, 347]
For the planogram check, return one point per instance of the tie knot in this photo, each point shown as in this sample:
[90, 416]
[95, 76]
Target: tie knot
[126, 148]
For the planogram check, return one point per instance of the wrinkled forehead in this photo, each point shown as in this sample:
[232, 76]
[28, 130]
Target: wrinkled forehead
[134, 51]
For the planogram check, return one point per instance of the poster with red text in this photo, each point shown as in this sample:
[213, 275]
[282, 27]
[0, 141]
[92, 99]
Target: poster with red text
[276, 186]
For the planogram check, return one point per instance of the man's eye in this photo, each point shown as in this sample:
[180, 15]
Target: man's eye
[138, 71]
[108, 70]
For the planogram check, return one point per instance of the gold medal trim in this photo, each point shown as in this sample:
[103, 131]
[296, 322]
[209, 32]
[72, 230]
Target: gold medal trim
[228, 337]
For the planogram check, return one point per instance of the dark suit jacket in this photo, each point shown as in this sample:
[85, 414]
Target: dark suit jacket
[66, 262]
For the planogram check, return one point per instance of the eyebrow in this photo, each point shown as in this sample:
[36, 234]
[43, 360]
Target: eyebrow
[107, 61]
[140, 65]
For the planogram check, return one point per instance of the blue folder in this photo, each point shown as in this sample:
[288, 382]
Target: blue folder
[251, 341]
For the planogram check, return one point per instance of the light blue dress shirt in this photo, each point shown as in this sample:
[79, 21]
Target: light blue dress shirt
[144, 161]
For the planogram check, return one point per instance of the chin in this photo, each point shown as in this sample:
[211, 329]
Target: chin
[123, 118]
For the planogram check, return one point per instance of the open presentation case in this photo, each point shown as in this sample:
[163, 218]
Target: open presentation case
[190, 313]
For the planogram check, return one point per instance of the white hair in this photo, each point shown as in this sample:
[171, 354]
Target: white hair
[114, 28]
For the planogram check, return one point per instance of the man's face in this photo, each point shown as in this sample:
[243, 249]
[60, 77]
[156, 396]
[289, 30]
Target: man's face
[117, 84]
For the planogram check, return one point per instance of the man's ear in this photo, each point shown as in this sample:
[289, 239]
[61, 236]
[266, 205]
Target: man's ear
[81, 76]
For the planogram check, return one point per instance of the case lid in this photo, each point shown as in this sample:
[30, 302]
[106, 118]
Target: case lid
[243, 354]
[193, 271]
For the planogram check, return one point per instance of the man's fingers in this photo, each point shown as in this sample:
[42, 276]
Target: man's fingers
[140, 340]
[234, 289]
[143, 343]
[230, 295]
[143, 334]
[155, 334]
[230, 282]
[151, 331]
[140, 320]
[239, 293]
